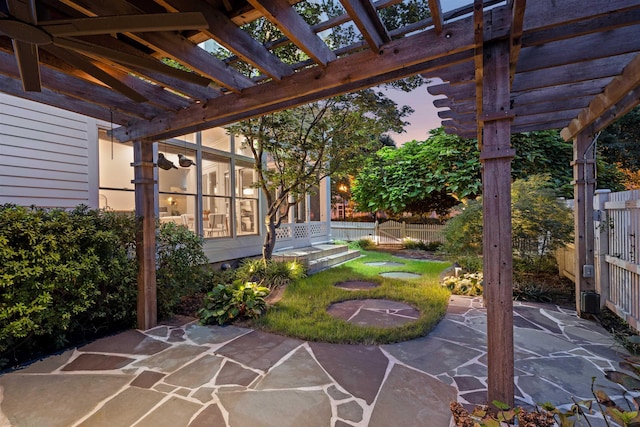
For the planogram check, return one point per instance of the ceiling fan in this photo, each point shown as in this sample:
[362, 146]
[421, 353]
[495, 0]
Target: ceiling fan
[19, 21]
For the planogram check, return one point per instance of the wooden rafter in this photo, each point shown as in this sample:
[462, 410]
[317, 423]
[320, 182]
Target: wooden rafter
[368, 22]
[628, 82]
[224, 31]
[435, 10]
[295, 28]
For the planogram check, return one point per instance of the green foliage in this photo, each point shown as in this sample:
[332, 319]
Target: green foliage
[420, 176]
[469, 284]
[270, 274]
[409, 243]
[544, 152]
[363, 244]
[66, 276]
[226, 303]
[619, 141]
[463, 232]
[181, 266]
[308, 143]
[62, 272]
[540, 224]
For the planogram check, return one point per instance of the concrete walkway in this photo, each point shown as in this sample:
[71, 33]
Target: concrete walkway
[189, 375]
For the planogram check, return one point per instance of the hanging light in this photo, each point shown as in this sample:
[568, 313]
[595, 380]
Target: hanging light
[165, 164]
[184, 161]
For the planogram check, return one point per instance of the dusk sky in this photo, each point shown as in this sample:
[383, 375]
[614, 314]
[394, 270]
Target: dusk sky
[422, 120]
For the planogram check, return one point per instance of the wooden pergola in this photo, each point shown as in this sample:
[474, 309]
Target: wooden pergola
[508, 66]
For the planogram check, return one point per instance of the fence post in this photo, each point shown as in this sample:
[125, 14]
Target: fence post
[403, 230]
[601, 244]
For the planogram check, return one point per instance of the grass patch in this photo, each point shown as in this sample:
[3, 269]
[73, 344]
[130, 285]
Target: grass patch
[301, 313]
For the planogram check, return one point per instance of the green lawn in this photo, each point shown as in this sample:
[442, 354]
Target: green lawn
[301, 313]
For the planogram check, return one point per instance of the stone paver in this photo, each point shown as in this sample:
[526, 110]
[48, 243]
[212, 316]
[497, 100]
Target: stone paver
[182, 374]
[374, 312]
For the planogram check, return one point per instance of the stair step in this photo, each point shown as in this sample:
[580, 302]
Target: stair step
[331, 261]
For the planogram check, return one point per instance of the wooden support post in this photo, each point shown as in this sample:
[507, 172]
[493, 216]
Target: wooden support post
[583, 191]
[496, 154]
[146, 235]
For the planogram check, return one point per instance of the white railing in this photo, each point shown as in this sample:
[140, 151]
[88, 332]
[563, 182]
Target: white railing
[387, 232]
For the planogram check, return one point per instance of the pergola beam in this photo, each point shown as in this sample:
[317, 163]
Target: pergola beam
[615, 91]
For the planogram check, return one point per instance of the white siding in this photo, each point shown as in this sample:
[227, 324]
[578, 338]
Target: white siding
[47, 155]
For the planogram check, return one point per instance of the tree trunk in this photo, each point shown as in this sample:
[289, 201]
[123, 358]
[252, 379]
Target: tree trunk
[270, 238]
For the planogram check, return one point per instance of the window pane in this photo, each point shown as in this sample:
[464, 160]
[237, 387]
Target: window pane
[216, 180]
[117, 200]
[245, 178]
[177, 208]
[247, 214]
[241, 146]
[115, 163]
[314, 204]
[182, 179]
[216, 221]
[217, 138]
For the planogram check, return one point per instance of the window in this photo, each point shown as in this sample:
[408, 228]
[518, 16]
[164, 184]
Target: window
[246, 199]
[115, 174]
[217, 138]
[216, 195]
[177, 187]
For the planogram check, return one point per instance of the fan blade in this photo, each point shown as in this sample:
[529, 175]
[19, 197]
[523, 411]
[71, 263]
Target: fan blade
[85, 65]
[125, 23]
[28, 64]
[131, 60]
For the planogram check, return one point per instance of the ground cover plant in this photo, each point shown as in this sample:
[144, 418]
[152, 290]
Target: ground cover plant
[301, 313]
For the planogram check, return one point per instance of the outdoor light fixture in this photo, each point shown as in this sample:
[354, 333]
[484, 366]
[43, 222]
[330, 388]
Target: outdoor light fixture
[184, 161]
[165, 164]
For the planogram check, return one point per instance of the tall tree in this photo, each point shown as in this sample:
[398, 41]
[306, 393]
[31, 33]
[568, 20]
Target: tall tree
[435, 174]
[620, 145]
[295, 149]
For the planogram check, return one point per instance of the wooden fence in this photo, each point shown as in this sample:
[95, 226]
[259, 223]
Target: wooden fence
[616, 252]
[389, 232]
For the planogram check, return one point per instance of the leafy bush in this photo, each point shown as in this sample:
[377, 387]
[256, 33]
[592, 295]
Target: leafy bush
[63, 273]
[67, 276]
[469, 264]
[540, 223]
[181, 266]
[270, 274]
[229, 302]
[463, 232]
[363, 244]
[468, 284]
[409, 243]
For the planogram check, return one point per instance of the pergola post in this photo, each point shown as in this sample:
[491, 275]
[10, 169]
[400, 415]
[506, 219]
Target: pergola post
[146, 233]
[496, 154]
[583, 190]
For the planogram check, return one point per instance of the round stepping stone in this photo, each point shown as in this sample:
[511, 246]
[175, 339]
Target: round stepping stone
[400, 275]
[379, 313]
[384, 264]
[356, 285]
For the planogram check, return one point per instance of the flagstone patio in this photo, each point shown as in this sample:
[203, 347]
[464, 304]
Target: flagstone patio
[183, 374]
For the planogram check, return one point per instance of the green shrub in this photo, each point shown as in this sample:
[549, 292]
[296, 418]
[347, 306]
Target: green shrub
[63, 275]
[540, 223]
[270, 274]
[226, 303]
[468, 284]
[363, 244]
[181, 266]
[409, 243]
[68, 276]
[469, 264]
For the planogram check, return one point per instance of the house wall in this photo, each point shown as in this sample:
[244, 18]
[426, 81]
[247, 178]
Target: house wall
[45, 155]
